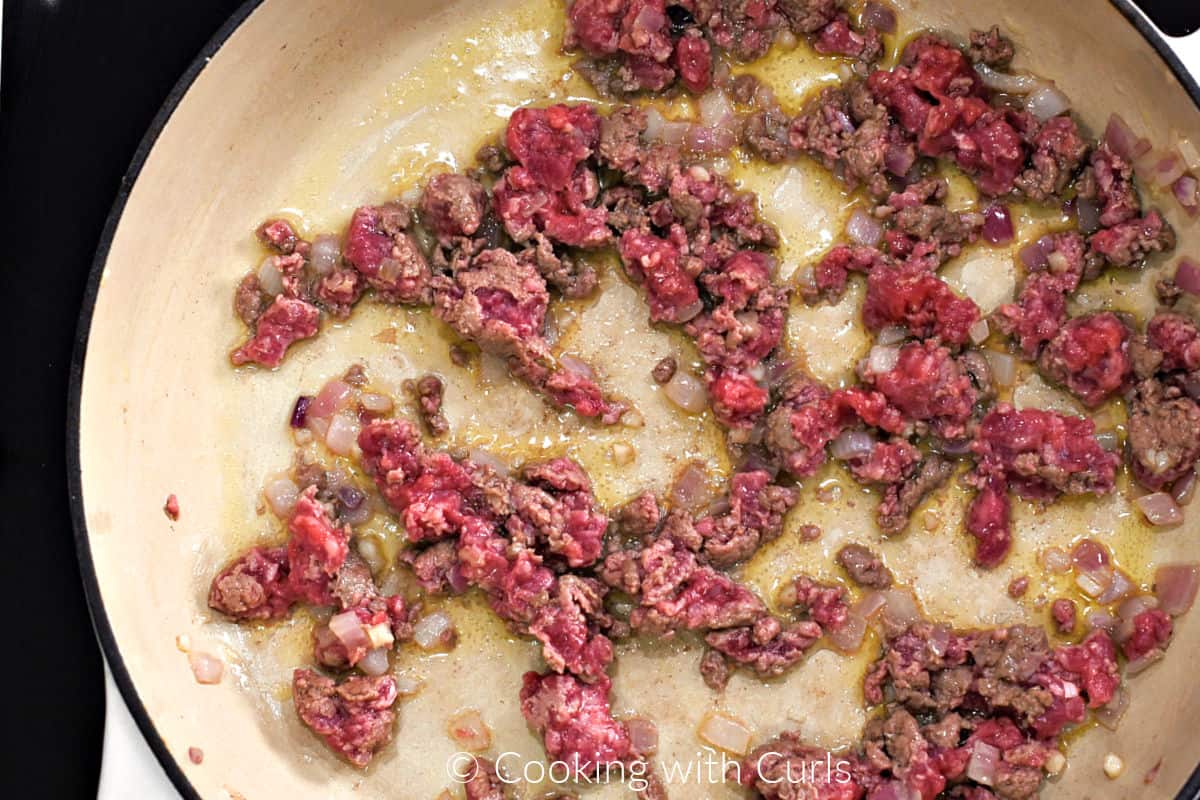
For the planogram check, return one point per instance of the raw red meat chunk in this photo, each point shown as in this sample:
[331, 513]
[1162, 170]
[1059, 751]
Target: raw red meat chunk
[755, 516]
[767, 647]
[1090, 357]
[1040, 455]
[1041, 307]
[1151, 633]
[255, 586]
[914, 298]
[355, 717]
[575, 721]
[568, 626]
[654, 262]
[554, 507]
[316, 550]
[831, 273]
[928, 385]
[1178, 338]
[937, 97]
[386, 255]
[287, 320]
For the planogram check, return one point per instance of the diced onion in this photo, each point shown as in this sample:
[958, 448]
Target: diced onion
[1100, 621]
[852, 444]
[883, 359]
[487, 459]
[1088, 214]
[984, 760]
[1047, 102]
[433, 631]
[1034, 255]
[1089, 556]
[848, 636]
[660, 129]
[864, 229]
[1159, 508]
[576, 365]
[893, 334]
[1055, 560]
[374, 662]
[1187, 193]
[282, 494]
[1004, 367]
[1118, 588]
[900, 609]
[1091, 584]
[690, 489]
[349, 630]
[1108, 439]
[686, 391]
[1008, 82]
[979, 331]
[1128, 613]
[1122, 140]
[325, 254]
[643, 735]
[408, 685]
[998, 226]
[1187, 276]
[206, 668]
[715, 109]
[342, 434]
[333, 397]
[469, 731]
[1175, 586]
[1168, 167]
[1191, 155]
[269, 279]
[870, 604]
[376, 403]
[879, 16]
[725, 732]
[1109, 715]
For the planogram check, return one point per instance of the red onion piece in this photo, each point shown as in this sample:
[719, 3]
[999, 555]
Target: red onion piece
[710, 141]
[457, 580]
[1055, 560]
[715, 109]
[1100, 621]
[1089, 556]
[998, 224]
[1159, 509]
[979, 331]
[1123, 141]
[1175, 586]
[984, 760]
[1004, 367]
[1109, 715]
[649, 19]
[690, 490]
[883, 359]
[469, 731]
[342, 434]
[1047, 102]
[374, 662]
[870, 604]
[207, 669]
[1008, 82]
[901, 609]
[1187, 193]
[879, 16]
[349, 630]
[643, 735]
[578, 366]
[282, 494]
[325, 255]
[1184, 489]
[1128, 612]
[852, 444]
[1187, 276]
[864, 229]
[376, 403]
[1034, 255]
[433, 631]
[725, 732]
[300, 411]
[333, 397]
[686, 391]
[1168, 167]
[848, 636]
[1119, 587]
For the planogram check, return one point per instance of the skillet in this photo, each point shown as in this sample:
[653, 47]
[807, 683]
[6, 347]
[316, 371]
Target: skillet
[310, 108]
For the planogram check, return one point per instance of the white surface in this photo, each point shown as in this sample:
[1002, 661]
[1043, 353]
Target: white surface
[129, 767]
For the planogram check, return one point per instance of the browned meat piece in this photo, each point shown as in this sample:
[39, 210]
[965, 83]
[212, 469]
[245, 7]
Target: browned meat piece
[714, 669]
[427, 392]
[900, 499]
[864, 567]
[990, 47]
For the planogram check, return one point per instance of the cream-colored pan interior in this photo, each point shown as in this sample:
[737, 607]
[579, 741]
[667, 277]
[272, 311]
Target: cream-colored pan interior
[315, 106]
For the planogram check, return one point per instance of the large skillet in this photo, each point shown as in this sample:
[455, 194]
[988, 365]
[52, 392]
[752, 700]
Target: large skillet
[156, 409]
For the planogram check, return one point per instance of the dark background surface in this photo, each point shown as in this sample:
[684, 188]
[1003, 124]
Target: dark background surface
[81, 81]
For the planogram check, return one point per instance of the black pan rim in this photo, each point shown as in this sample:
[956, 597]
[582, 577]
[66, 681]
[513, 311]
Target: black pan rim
[87, 569]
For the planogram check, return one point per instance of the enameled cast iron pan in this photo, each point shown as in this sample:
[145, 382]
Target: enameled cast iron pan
[311, 107]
